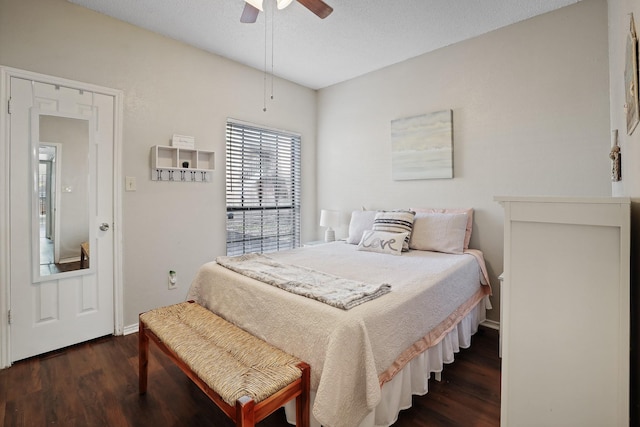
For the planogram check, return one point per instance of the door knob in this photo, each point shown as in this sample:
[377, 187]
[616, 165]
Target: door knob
[104, 226]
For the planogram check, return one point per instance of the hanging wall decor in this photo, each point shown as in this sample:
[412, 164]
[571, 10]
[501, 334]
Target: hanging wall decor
[614, 155]
[422, 146]
[631, 78]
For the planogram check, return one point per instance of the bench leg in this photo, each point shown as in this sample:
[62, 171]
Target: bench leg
[143, 358]
[245, 412]
[302, 401]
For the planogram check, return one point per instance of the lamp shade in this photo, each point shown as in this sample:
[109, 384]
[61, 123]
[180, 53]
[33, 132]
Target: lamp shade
[329, 218]
[283, 3]
[255, 3]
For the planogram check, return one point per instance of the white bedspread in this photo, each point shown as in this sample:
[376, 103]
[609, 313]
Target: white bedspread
[352, 352]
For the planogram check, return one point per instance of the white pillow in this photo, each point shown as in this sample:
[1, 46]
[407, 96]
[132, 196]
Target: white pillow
[439, 232]
[360, 222]
[468, 211]
[383, 242]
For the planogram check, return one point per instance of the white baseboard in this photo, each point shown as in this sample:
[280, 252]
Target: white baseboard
[131, 329]
[491, 324]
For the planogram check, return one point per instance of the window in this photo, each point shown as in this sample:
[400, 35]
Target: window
[263, 189]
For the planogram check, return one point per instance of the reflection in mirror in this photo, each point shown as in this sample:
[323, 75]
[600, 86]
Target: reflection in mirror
[62, 212]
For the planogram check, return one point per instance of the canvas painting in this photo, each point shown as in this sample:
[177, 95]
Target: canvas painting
[422, 146]
[631, 79]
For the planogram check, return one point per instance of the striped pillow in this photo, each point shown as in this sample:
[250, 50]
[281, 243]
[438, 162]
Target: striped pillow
[395, 222]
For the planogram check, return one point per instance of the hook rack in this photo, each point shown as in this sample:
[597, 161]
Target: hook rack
[181, 164]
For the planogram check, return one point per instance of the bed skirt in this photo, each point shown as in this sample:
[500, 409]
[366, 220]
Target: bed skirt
[413, 379]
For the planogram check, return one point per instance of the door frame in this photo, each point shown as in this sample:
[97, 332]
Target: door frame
[6, 73]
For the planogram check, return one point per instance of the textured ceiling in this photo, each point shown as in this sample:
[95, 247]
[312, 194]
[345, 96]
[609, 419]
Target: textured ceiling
[358, 37]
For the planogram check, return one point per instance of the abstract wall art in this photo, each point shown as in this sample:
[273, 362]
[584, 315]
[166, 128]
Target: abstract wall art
[631, 79]
[422, 146]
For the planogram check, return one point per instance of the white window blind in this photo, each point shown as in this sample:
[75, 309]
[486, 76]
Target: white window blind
[263, 189]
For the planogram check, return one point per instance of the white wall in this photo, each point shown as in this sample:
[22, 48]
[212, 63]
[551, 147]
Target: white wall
[168, 88]
[531, 117]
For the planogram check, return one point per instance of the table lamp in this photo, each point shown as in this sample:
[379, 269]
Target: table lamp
[329, 219]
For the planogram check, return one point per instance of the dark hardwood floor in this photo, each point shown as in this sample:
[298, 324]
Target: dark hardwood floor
[96, 384]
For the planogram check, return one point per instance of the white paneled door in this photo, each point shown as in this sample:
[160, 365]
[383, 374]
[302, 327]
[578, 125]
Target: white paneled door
[61, 152]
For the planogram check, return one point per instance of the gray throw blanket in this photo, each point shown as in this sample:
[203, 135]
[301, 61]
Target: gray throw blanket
[335, 291]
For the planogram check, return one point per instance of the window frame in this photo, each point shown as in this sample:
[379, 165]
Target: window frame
[262, 188]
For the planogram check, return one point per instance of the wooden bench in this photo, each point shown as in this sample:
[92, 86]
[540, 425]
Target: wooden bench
[246, 377]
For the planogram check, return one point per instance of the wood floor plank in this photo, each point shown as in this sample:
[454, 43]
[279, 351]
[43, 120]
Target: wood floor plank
[25, 379]
[28, 411]
[96, 384]
[58, 377]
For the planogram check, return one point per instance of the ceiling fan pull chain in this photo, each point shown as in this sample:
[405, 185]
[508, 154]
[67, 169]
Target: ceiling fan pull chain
[273, 29]
[264, 82]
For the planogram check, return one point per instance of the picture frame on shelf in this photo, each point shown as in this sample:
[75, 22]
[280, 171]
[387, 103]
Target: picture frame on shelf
[183, 141]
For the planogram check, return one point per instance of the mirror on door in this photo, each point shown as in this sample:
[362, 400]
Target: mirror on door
[61, 199]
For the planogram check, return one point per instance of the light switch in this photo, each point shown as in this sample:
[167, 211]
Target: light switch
[130, 183]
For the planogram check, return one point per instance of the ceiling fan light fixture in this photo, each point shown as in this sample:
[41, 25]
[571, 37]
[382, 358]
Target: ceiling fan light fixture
[283, 3]
[255, 3]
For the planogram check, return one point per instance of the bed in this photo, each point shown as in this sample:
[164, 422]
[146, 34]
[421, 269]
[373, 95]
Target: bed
[366, 361]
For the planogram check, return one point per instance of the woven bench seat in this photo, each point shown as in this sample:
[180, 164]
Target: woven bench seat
[245, 376]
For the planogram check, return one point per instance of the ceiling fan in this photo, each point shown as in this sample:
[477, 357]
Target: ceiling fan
[253, 7]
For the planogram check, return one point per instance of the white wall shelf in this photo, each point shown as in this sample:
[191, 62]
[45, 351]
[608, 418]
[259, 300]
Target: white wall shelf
[181, 164]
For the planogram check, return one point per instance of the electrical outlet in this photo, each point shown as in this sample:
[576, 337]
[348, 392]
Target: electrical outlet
[173, 280]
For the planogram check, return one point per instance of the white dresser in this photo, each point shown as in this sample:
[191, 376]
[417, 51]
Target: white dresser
[565, 313]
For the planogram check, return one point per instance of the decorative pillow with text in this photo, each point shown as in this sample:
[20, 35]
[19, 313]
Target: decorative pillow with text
[383, 242]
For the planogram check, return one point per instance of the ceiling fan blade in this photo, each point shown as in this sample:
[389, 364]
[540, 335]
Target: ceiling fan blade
[249, 14]
[318, 7]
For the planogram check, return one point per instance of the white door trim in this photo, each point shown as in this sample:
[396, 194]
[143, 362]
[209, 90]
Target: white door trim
[6, 73]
